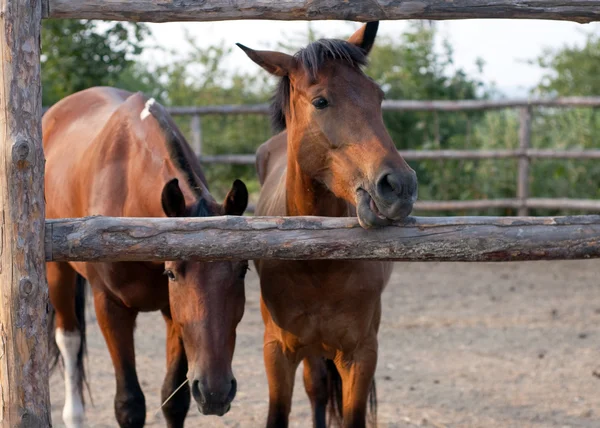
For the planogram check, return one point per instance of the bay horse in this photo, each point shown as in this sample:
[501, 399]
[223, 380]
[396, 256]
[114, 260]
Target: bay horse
[110, 152]
[334, 158]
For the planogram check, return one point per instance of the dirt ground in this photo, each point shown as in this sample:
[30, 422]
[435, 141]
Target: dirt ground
[461, 345]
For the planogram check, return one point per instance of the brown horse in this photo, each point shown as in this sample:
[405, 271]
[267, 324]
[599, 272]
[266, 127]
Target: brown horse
[109, 152]
[334, 159]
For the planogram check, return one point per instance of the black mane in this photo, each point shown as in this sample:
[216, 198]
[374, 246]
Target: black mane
[180, 153]
[313, 58]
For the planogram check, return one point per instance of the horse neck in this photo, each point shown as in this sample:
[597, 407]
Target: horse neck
[306, 196]
[145, 200]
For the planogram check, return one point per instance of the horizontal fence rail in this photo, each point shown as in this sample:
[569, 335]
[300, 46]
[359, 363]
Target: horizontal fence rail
[357, 10]
[529, 203]
[308, 238]
[403, 105]
[407, 105]
[440, 155]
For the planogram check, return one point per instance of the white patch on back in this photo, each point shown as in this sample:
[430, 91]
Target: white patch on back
[146, 112]
[68, 343]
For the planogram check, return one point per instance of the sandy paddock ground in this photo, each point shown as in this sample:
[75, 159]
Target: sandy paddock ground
[461, 345]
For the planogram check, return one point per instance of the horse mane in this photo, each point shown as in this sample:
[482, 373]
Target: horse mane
[313, 58]
[180, 153]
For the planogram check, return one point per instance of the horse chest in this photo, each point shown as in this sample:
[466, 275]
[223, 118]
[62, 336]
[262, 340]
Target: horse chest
[323, 302]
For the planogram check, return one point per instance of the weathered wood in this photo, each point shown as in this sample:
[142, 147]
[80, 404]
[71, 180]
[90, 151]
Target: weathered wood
[562, 154]
[418, 239]
[440, 154]
[524, 143]
[482, 204]
[24, 396]
[220, 109]
[290, 10]
[228, 159]
[407, 105]
[564, 204]
[402, 105]
[467, 105]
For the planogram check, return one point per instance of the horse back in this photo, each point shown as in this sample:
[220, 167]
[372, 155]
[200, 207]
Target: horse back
[104, 156]
[271, 166]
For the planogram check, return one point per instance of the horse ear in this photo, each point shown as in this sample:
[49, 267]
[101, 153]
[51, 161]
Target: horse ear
[173, 201]
[364, 37]
[236, 200]
[276, 63]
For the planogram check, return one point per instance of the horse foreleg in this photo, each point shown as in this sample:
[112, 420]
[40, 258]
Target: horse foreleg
[315, 384]
[68, 337]
[175, 410]
[117, 324]
[357, 371]
[280, 376]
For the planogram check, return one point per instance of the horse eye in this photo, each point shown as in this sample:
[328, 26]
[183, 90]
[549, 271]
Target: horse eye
[169, 274]
[320, 103]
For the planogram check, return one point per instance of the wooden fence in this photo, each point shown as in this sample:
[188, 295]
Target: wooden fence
[524, 154]
[305, 238]
[24, 397]
[362, 10]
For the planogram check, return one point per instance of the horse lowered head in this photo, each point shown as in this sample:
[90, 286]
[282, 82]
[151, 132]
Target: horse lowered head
[207, 302]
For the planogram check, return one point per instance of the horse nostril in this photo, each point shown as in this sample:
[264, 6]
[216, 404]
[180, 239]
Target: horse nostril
[196, 391]
[233, 390]
[389, 186]
[412, 186]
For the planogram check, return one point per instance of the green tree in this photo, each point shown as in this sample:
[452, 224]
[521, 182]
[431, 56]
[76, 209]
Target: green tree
[78, 54]
[569, 71]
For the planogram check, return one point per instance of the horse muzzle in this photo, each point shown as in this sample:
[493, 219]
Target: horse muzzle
[390, 199]
[214, 398]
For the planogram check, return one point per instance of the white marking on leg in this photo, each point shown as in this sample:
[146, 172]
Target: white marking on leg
[146, 112]
[68, 343]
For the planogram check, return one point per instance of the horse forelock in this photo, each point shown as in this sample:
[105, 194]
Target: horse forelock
[313, 59]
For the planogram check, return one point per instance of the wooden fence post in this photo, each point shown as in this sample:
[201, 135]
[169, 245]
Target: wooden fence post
[196, 129]
[24, 396]
[524, 143]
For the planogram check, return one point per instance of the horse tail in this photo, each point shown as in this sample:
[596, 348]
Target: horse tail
[335, 403]
[334, 387]
[54, 351]
[372, 416]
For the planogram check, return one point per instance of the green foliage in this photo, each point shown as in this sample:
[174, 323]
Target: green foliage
[78, 54]
[571, 70]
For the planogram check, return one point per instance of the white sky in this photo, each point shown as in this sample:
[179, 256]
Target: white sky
[502, 44]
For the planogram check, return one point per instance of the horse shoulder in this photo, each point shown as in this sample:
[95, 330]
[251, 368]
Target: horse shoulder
[268, 153]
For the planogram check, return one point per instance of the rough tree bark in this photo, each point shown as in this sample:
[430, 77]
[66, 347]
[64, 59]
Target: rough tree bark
[356, 10]
[417, 239]
[24, 397]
